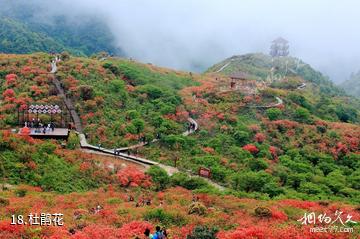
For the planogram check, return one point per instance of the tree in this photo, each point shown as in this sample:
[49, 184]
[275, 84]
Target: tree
[139, 125]
[346, 114]
[114, 69]
[302, 115]
[159, 177]
[296, 179]
[117, 86]
[242, 137]
[152, 91]
[73, 141]
[251, 181]
[354, 179]
[273, 113]
[86, 92]
[335, 181]
[176, 143]
[132, 114]
[310, 188]
[257, 164]
[326, 167]
[190, 183]
[173, 141]
[351, 160]
[300, 100]
[273, 189]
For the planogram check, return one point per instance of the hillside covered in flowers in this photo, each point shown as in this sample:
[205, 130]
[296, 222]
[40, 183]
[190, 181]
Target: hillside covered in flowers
[280, 152]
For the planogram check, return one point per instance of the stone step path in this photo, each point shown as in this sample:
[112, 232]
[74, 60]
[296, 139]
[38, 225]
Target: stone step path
[69, 105]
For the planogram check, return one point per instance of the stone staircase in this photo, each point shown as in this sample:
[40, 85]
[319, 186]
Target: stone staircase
[69, 105]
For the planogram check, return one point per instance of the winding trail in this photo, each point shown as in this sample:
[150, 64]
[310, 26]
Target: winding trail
[68, 103]
[224, 66]
[89, 148]
[190, 131]
[139, 160]
[278, 103]
[53, 67]
[302, 86]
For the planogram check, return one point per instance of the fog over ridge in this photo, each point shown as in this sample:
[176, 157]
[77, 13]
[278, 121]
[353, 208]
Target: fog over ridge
[193, 35]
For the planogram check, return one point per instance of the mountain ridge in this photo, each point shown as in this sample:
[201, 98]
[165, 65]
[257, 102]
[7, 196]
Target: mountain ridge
[24, 32]
[352, 85]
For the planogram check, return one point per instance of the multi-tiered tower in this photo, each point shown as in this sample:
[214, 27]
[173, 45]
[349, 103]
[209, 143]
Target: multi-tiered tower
[279, 47]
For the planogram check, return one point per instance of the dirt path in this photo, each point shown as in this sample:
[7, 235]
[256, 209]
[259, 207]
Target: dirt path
[224, 66]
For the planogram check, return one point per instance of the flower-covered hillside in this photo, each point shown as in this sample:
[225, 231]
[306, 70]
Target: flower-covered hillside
[24, 79]
[305, 146]
[120, 102]
[174, 209]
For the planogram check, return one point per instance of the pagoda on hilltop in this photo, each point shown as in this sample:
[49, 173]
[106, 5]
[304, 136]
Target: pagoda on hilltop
[279, 47]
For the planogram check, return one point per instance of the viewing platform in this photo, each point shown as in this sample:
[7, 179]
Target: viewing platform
[57, 133]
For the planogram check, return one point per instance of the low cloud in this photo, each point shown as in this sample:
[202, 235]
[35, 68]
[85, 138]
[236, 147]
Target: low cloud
[192, 35]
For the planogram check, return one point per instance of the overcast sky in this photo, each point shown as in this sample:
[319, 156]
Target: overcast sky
[186, 34]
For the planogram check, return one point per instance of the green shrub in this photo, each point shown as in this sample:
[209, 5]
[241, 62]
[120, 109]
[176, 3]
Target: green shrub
[117, 86]
[273, 189]
[241, 137]
[159, 177]
[165, 218]
[190, 183]
[203, 232]
[73, 141]
[250, 181]
[302, 115]
[310, 188]
[257, 164]
[47, 148]
[273, 113]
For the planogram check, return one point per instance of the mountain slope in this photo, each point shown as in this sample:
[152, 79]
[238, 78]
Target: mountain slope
[263, 66]
[290, 73]
[280, 130]
[280, 153]
[23, 31]
[352, 86]
[16, 37]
